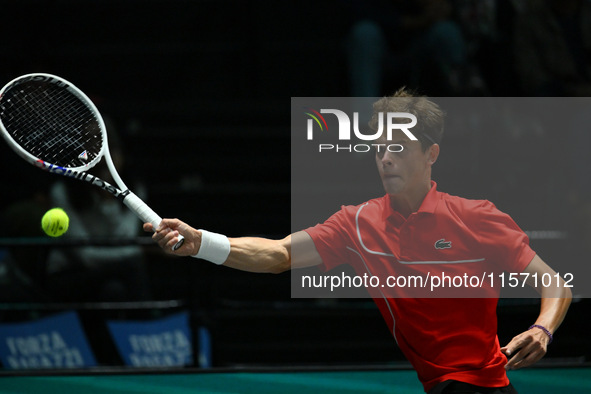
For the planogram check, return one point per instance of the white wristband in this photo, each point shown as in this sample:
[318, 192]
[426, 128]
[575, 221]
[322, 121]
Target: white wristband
[214, 247]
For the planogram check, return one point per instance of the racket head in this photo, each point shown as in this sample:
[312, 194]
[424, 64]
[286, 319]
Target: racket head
[51, 123]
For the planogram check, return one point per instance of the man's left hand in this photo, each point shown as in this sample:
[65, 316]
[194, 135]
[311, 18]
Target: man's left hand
[526, 348]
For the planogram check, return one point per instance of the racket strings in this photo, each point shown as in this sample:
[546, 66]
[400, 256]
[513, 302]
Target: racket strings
[51, 123]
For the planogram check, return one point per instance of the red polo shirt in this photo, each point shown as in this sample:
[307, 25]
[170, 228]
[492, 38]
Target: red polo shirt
[443, 338]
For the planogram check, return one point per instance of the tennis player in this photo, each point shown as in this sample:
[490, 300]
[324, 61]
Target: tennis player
[451, 342]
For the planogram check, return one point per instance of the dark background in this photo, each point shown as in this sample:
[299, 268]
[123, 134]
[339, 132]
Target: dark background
[199, 92]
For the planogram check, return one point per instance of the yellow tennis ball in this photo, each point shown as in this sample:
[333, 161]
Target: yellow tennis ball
[55, 222]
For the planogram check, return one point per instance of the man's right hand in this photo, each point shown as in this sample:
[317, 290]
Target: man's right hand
[167, 233]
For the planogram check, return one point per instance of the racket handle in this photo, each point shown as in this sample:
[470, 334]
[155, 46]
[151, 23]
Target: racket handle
[147, 215]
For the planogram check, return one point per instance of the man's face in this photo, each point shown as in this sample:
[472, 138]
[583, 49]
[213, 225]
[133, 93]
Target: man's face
[402, 171]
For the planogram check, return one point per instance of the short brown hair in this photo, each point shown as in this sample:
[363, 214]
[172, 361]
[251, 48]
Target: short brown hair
[430, 118]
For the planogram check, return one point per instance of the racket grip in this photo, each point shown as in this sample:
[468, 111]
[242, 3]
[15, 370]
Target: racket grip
[147, 215]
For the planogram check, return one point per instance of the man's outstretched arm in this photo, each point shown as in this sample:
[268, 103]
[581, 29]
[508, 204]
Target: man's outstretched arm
[251, 254]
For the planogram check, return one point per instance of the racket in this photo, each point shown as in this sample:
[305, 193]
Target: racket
[53, 125]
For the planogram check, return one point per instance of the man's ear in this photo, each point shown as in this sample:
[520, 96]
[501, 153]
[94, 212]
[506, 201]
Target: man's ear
[433, 154]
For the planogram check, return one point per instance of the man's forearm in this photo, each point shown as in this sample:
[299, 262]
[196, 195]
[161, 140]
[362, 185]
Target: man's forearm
[555, 300]
[553, 308]
[246, 253]
[259, 254]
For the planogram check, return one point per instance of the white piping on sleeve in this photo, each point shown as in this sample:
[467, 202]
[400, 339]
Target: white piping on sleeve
[359, 235]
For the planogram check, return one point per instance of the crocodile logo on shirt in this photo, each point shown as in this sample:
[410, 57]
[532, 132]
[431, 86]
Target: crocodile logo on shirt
[442, 244]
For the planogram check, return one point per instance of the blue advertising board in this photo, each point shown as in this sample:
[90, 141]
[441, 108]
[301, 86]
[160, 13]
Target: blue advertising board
[155, 343]
[57, 341]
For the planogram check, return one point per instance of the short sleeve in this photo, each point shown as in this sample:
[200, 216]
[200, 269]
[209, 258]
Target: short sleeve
[331, 240]
[505, 243]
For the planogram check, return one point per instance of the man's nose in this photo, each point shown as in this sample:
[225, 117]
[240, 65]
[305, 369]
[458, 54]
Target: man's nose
[387, 158]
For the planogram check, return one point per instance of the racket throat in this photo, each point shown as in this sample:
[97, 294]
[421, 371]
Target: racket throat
[121, 196]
